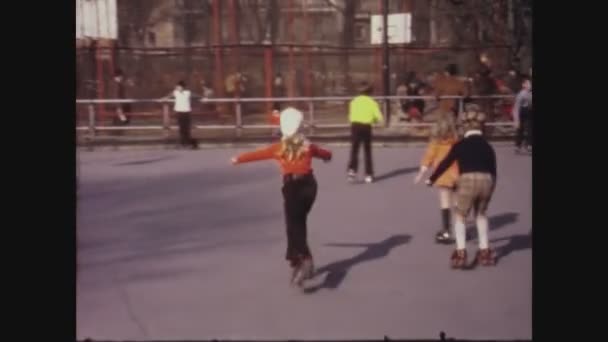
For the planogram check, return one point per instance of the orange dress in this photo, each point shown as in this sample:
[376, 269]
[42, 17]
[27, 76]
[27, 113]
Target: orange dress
[435, 152]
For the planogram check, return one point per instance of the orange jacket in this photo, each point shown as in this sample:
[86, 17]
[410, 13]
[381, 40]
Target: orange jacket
[298, 166]
[435, 152]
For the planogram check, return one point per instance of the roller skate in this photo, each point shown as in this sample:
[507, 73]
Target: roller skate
[459, 259]
[486, 257]
[304, 272]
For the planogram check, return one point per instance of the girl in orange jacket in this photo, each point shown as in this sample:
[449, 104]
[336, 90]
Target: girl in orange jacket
[294, 154]
[443, 136]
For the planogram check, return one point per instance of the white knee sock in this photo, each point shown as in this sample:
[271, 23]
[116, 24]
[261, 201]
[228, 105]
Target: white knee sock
[482, 231]
[460, 230]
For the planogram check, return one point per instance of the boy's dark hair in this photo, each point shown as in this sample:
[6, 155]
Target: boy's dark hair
[181, 84]
[118, 73]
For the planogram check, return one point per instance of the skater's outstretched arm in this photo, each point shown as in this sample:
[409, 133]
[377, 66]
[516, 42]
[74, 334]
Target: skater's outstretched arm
[427, 161]
[269, 152]
[320, 152]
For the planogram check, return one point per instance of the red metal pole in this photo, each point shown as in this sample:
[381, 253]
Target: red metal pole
[307, 71]
[292, 41]
[217, 50]
[268, 74]
[100, 80]
[111, 59]
[235, 40]
[377, 60]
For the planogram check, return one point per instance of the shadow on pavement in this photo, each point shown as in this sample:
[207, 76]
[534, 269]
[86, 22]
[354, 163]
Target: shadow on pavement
[396, 173]
[515, 243]
[337, 271]
[495, 222]
[145, 161]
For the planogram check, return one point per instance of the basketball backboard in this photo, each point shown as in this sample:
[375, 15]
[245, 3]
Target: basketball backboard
[399, 28]
[96, 19]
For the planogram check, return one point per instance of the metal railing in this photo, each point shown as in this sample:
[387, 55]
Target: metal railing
[238, 125]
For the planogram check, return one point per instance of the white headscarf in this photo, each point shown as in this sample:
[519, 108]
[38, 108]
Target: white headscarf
[291, 120]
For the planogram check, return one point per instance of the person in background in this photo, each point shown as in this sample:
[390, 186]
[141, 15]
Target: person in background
[443, 136]
[118, 90]
[208, 93]
[513, 80]
[275, 119]
[476, 160]
[182, 107]
[364, 111]
[403, 103]
[450, 85]
[416, 106]
[235, 84]
[294, 154]
[486, 84]
[522, 116]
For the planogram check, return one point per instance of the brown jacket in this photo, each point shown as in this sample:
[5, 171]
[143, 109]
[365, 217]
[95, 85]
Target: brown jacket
[449, 86]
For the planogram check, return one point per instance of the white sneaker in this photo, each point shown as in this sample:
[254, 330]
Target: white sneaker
[351, 176]
[369, 179]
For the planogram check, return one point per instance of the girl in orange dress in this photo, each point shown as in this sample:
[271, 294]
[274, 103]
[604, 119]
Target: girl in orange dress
[294, 153]
[443, 136]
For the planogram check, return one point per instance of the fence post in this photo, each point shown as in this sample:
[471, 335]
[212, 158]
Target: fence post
[239, 119]
[386, 114]
[166, 121]
[91, 122]
[311, 117]
[460, 107]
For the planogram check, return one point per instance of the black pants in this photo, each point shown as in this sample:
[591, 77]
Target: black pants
[116, 120]
[299, 196]
[184, 121]
[524, 131]
[361, 133]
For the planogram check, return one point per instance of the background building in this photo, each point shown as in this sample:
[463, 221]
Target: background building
[320, 47]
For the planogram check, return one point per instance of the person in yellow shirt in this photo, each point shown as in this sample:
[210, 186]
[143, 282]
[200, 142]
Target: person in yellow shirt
[364, 111]
[443, 136]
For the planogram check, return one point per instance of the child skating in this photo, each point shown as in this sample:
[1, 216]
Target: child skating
[476, 160]
[443, 136]
[294, 153]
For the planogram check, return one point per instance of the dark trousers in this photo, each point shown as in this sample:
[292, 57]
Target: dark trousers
[184, 121]
[361, 133]
[524, 131]
[116, 120]
[299, 196]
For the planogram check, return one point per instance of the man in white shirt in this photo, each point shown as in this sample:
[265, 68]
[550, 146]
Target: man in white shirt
[183, 109]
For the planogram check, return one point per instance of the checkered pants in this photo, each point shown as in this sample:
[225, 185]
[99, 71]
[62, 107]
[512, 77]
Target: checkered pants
[474, 190]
